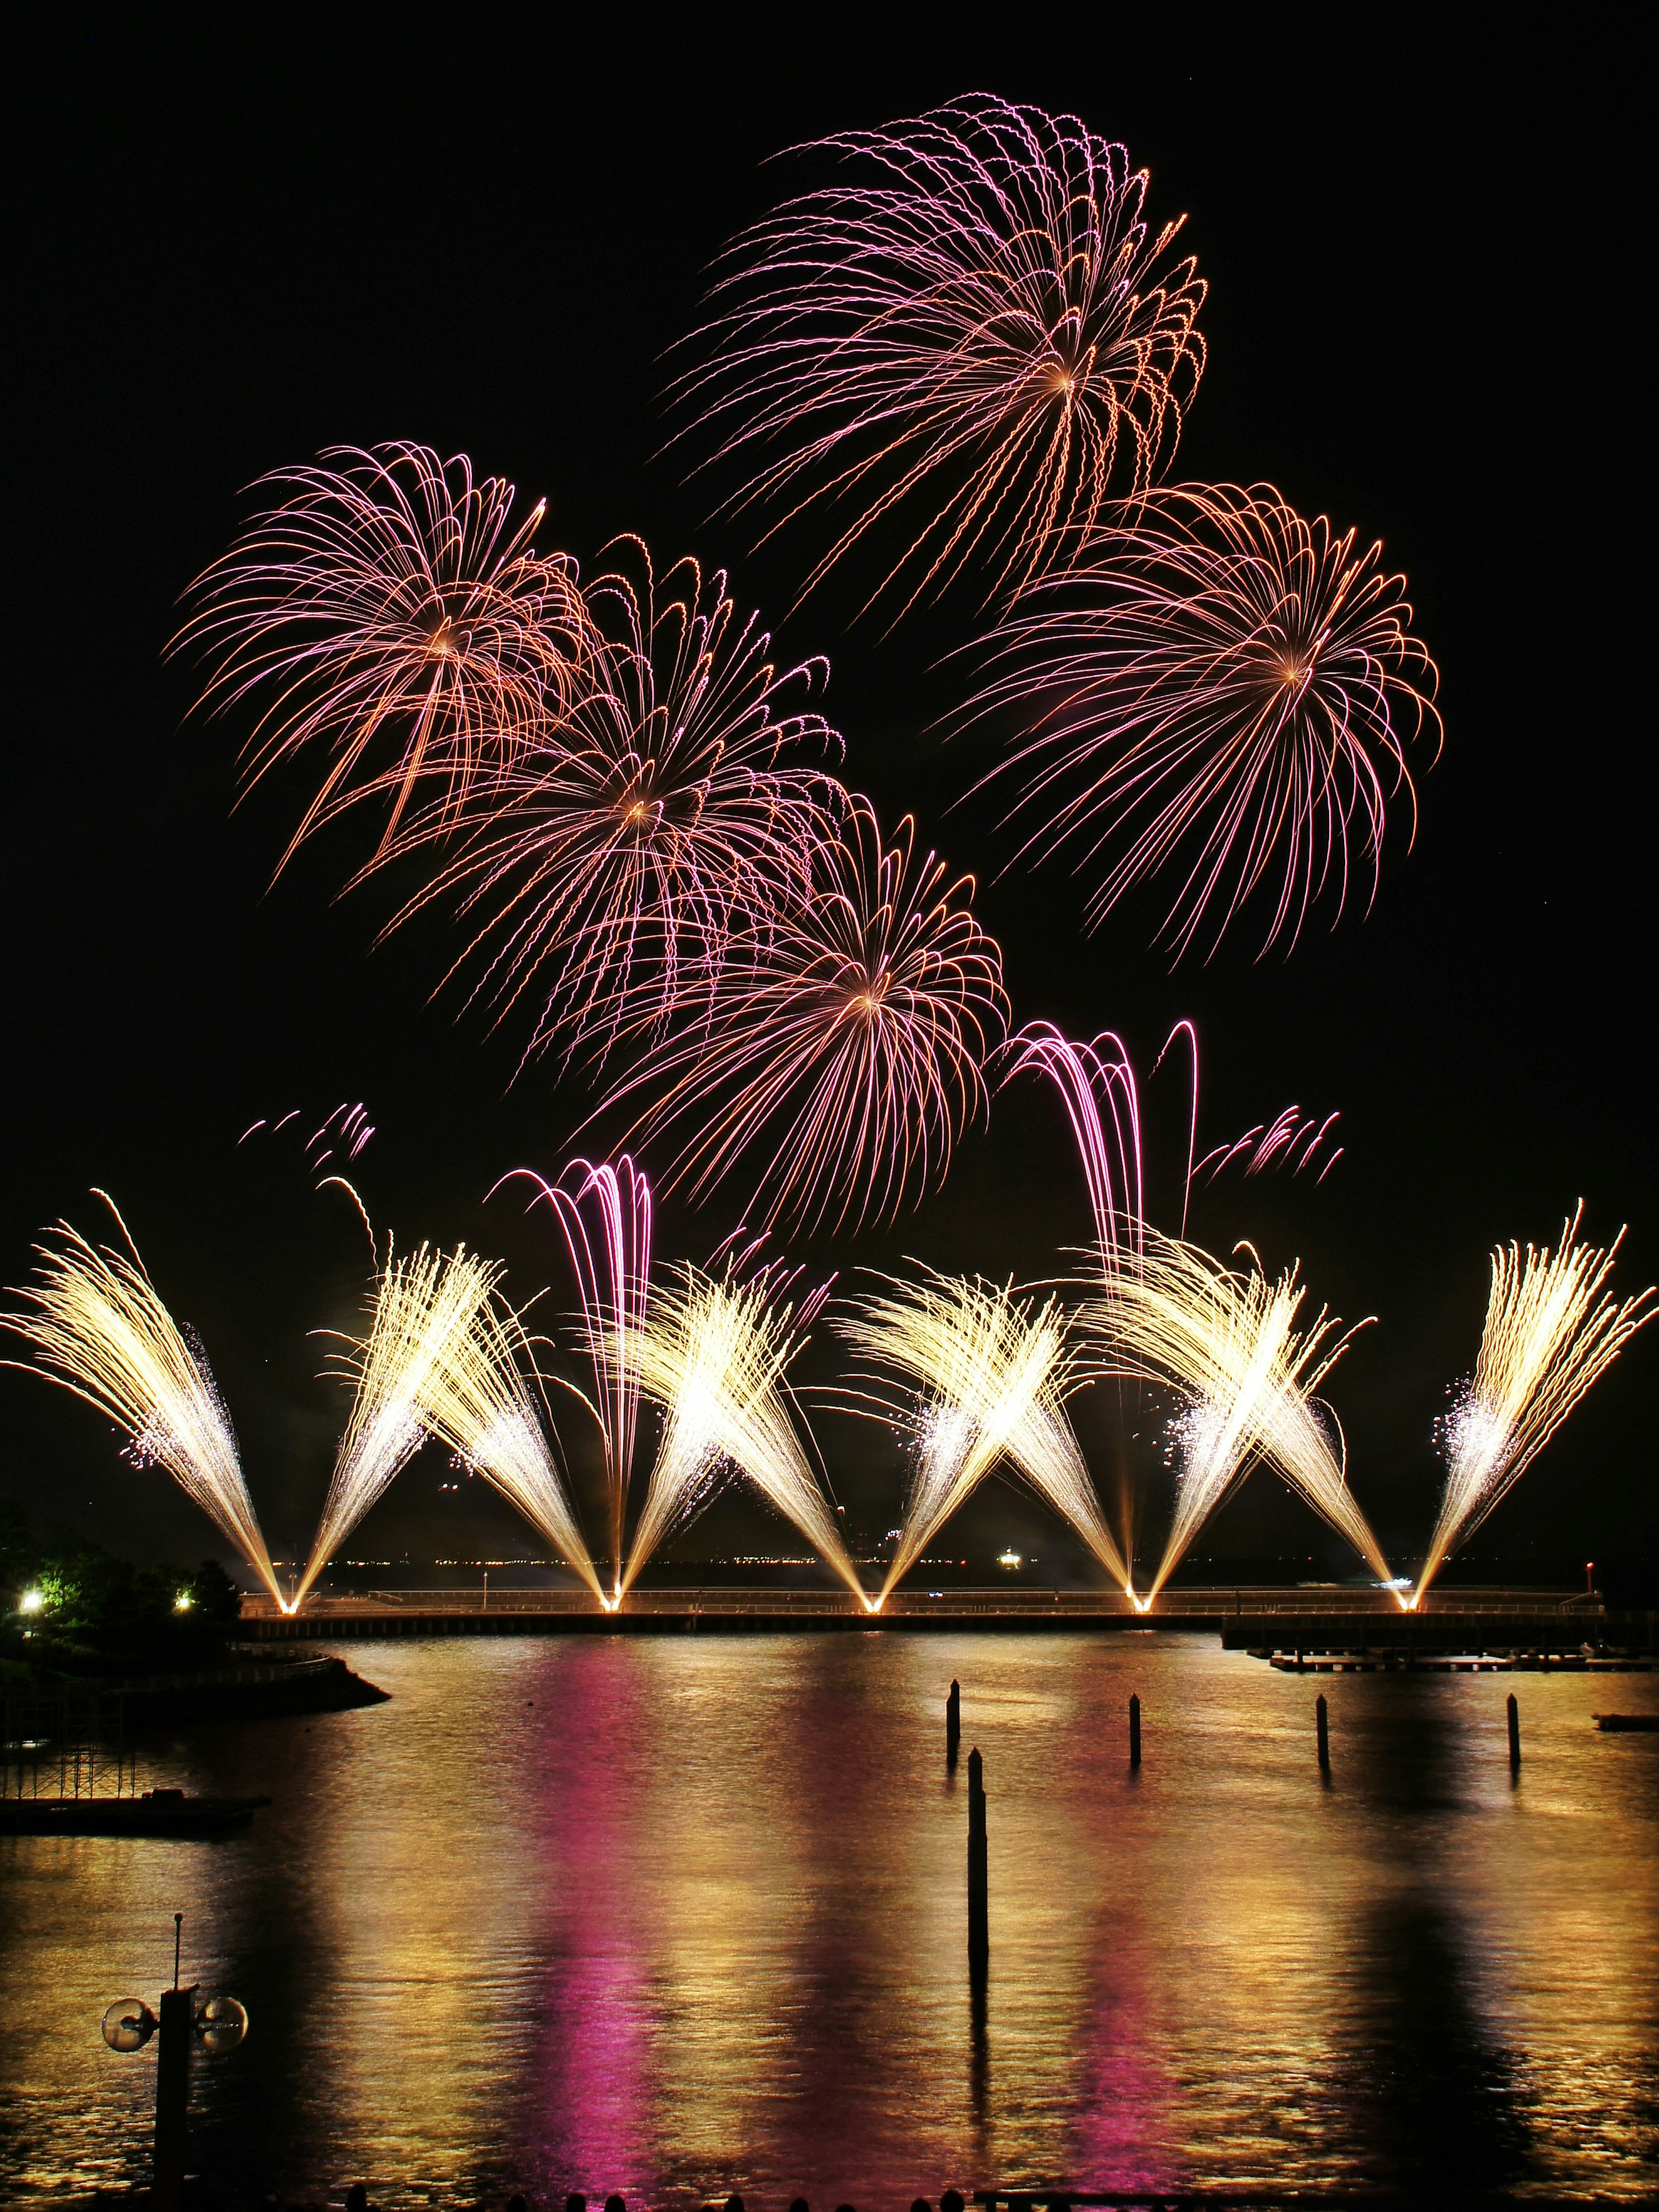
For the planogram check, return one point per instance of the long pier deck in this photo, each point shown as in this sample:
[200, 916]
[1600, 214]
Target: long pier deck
[1361, 1626]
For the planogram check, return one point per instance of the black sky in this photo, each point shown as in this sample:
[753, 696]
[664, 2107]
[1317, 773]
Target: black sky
[231, 250]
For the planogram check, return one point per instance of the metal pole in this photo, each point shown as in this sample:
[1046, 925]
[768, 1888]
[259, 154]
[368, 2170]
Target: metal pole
[173, 2085]
[979, 1928]
[1134, 1731]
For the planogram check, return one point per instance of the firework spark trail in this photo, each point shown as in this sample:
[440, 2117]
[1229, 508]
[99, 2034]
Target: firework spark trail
[846, 1061]
[713, 1355]
[1293, 1141]
[1549, 1336]
[1225, 1339]
[1221, 692]
[100, 1329]
[384, 607]
[987, 343]
[475, 1399]
[993, 1373]
[425, 1308]
[614, 870]
[613, 1275]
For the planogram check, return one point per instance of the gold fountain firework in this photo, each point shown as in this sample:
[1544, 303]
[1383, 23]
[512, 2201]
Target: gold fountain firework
[101, 1331]
[425, 1309]
[993, 1372]
[475, 1399]
[1546, 1340]
[1226, 1340]
[712, 1353]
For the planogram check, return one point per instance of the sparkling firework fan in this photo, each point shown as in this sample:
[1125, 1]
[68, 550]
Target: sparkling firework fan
[1220, 697]
[978, 332]
[841, 1064]
[610, 870]
[386, 611]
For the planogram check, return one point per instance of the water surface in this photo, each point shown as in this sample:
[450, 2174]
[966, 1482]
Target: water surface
[678, 1916]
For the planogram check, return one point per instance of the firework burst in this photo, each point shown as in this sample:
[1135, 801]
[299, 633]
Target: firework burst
[615, 867]
[1226, 1340]
[1221, 696]
[100, 1329]
[1549, 1334]
[993, 1373]
[841, 1061]
[713, 1354]
[982, 336]
[385, 612]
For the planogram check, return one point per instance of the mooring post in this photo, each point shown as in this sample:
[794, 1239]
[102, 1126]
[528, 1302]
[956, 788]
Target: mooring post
[1134, 1729]
[1322, 1727]
[1515, 1731]
[953, 1723]
[978, 1925]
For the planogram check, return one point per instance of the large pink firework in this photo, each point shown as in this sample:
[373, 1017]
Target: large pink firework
[385, 612]
[618, 862]
[839, 1069]
[1220, 697]
[979, 334]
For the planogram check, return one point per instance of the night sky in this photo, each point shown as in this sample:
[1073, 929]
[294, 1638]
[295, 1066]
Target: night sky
[1421, 321]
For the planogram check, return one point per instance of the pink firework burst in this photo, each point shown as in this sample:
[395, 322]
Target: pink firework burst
[1220, 698]
[980, 334]
[617, 863]
[386, 611]
[840, 1067]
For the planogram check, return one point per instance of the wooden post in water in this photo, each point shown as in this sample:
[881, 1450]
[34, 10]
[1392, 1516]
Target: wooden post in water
[953, 1723]
[172, 2086]
[979, 1924]
[1515, 1731]
[1322, 1728]
[1135, 1730]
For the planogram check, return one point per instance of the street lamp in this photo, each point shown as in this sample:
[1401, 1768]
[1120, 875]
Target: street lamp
[187, 2018]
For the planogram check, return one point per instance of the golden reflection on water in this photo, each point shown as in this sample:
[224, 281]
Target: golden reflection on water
[678, 1916]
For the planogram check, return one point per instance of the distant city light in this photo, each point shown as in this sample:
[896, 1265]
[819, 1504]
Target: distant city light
[1007, 1558]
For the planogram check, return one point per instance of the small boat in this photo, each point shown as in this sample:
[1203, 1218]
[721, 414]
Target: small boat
[157, 1813]
[1618, 1723]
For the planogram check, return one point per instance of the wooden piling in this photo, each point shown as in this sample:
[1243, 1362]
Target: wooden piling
[172, 2098]
[1322, 1728]
[979, 1924]
[1515, 1731]
[1135, 1730]
[953, 1723]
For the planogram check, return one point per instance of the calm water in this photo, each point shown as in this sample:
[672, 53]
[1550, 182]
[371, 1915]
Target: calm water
[687, 1915]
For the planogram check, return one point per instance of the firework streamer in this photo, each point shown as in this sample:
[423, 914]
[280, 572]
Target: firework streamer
[100, 1329]
[1220, 695]
[993, 1373]
[605, 1215]
[386, 611]
[1549, 1334]
[841, 1066]
[976, 333]
[1295, 1140]
[424, 1310]
[1224, 1340]
[610, 874]
[713, 1354]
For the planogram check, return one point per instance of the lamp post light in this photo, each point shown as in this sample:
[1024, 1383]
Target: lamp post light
[187, 2018]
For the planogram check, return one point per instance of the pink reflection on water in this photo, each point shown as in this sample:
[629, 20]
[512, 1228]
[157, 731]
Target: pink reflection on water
[589, 2097]
[1120, 2130]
